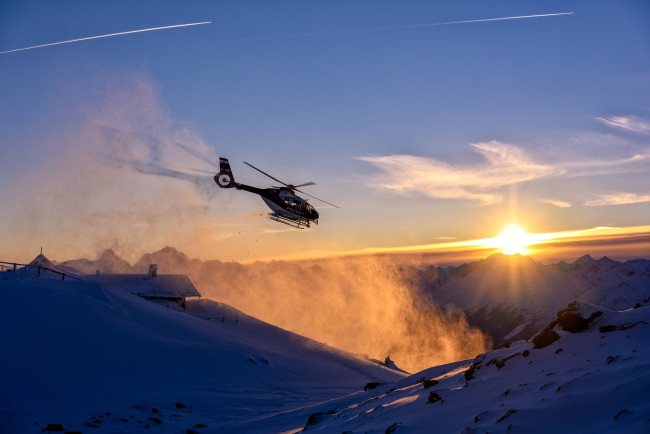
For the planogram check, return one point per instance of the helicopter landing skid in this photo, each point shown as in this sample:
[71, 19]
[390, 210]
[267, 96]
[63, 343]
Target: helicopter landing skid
[299, 224]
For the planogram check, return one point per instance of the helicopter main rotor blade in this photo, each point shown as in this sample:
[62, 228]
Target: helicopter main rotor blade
[321, 200]
[305, 184]
[261, 171]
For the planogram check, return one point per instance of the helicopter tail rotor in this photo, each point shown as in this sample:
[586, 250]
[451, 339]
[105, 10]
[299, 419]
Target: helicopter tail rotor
[225, 178]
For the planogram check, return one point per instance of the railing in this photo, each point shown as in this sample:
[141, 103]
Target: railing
[24, 268]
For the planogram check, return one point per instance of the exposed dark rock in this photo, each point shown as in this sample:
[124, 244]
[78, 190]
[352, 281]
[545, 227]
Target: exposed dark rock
[434, 397]
[372, 385]
[545, 338]
[331, 412]
[73, 432]
[155, 420]
[558, 351]
[621, 413]
[191, 431]
[53, 427]
[314, 419]
[508, 413]
[392, 428]
[475, 366]
[429, 383]
[613, 328]
[155, 411]
[200, 425]
[576, 317]
[500, 363]
[179, 405]
[526, 353]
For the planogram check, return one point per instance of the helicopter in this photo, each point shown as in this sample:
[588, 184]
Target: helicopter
[286, 206]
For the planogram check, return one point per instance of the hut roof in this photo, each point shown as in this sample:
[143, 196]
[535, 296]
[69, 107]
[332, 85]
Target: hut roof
[163, 285]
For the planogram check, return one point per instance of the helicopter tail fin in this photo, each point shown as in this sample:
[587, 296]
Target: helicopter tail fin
[224, 178]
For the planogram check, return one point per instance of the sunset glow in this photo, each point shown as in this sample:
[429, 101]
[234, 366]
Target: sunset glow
[513, 239]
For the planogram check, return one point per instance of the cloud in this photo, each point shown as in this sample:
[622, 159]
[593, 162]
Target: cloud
[504, 165]
[627, 123]
[618, 199]
[557, 203]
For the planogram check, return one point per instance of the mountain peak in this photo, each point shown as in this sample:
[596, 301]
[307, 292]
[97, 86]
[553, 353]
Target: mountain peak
[584, 260]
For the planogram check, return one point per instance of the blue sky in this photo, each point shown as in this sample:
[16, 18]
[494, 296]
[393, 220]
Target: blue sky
[419, 133]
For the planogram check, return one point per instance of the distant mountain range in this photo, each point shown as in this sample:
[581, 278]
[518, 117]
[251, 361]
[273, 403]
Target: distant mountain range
[507, 297]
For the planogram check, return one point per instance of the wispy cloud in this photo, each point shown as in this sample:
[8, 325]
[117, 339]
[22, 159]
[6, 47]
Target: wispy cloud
[618, 199]
[627, 123]
[557, 203]
[504, 164]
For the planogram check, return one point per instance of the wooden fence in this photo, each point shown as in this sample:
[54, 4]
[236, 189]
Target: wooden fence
[13, 267]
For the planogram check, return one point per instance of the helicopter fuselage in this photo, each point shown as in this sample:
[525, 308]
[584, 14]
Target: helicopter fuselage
[284, 203]
[287, 207]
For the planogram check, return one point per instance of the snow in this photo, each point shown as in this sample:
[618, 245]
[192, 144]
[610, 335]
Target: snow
[91, 356]
[590, 381]
[76, 350]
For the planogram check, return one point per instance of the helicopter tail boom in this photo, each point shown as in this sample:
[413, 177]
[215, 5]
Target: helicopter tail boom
[225, 178]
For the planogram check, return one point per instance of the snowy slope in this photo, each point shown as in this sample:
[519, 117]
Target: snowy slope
[594, 380]
[82, 354]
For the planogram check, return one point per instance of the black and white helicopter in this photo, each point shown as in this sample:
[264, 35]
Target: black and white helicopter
[287, 207]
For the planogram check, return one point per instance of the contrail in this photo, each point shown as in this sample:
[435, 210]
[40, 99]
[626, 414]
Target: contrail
[407, 26]
[105, 36]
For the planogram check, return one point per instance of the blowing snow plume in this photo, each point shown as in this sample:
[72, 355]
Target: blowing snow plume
[362, 305]
[122, 177]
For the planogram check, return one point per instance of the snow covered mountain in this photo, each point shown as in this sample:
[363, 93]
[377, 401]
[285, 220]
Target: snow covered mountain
[80, 355]
[83, 355]
[511, 297]
[588, 371]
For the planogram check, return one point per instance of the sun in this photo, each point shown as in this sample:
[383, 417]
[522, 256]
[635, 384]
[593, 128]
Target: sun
[513, 239]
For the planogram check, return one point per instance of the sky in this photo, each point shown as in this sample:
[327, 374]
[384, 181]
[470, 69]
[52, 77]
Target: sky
[424, 130]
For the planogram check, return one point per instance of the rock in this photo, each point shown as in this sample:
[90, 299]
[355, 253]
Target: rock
[200, 425]
[500, 363]
[613, 328]
[314, 419]
[621, 413]
[53, 427]
[508, 413]
[372, 385]
[392, 428]
[475, 366]
[544, 338]
[577, 316]
[155, 419]
[434, 397]
[179, 405]
[429, 383]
